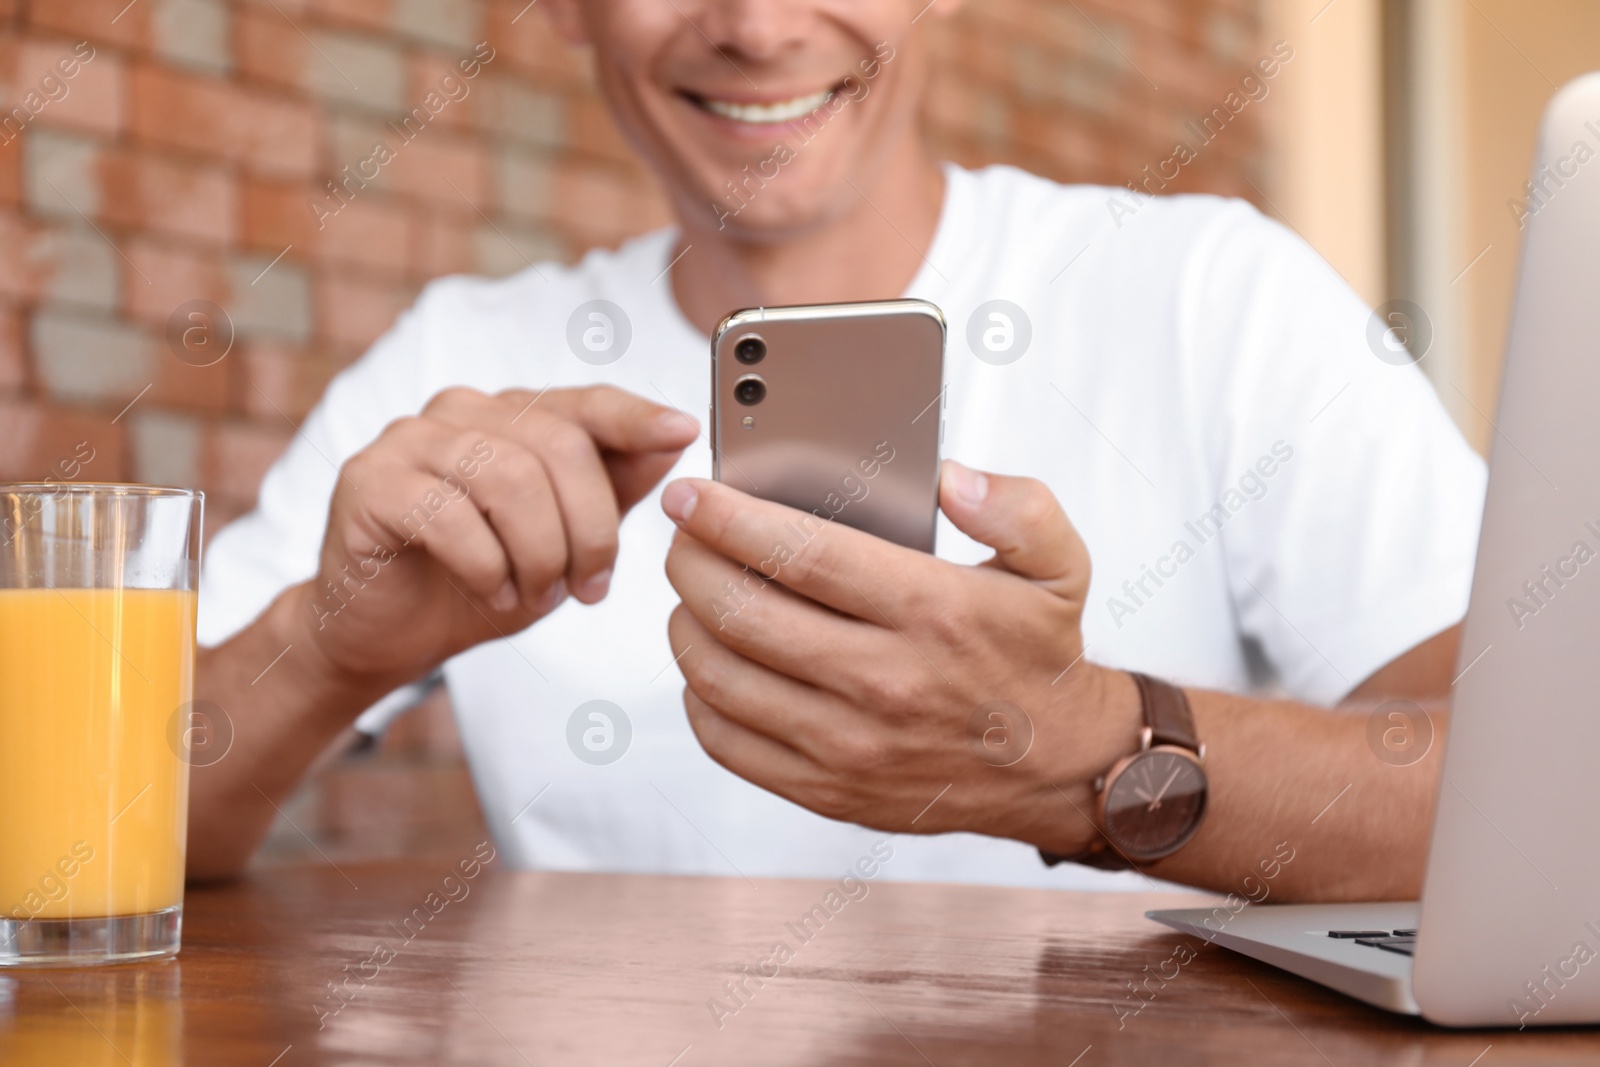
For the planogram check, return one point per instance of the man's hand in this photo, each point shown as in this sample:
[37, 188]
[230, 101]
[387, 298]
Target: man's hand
[866, 681]
[479, 516]
[462, 524]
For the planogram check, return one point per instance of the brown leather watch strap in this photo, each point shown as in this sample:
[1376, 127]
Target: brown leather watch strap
[1167, 716]
[1166, 713]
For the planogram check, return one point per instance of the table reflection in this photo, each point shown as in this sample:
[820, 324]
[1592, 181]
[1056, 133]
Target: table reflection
[90, 1017]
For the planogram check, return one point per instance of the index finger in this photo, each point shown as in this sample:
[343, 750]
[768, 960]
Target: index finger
[827, 561]
[618, 421]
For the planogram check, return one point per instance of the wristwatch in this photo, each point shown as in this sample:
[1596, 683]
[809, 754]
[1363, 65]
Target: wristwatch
[1152, 802]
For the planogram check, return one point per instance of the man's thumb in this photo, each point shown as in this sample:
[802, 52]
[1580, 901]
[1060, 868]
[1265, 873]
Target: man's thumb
[1020, 519]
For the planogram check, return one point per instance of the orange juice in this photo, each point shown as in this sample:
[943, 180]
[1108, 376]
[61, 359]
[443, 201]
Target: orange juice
[93, 790]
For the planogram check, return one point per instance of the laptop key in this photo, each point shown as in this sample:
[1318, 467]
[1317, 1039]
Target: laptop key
[1405, 946]
[1358, 933]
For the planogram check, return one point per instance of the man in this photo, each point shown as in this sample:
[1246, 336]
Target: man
[1268, 507]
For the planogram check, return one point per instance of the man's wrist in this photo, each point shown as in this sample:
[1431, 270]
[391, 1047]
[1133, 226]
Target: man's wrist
[1122, 715]
[1097, 725]
[322, 682]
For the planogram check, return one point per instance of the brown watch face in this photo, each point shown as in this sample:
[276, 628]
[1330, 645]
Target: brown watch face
[1153, 805]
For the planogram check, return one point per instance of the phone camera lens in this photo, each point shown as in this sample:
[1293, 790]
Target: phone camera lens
[750, 390]
[750, 350]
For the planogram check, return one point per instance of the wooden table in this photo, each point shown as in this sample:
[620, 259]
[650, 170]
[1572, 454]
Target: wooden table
[608, 969]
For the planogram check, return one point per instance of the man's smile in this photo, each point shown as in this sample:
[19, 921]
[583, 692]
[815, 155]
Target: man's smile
[761, 113]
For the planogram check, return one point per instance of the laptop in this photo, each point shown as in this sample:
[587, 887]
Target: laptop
[1508, 929]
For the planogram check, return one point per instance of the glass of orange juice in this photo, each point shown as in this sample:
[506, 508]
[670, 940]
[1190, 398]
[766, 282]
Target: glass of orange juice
[97, 637]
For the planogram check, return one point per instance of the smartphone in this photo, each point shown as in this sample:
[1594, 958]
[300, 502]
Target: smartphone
[835, 409]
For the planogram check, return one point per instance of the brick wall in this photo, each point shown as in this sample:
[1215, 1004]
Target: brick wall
[180, 163]
[1096, 90]
[173, 172]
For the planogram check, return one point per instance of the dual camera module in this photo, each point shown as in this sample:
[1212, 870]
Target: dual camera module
[751, 389]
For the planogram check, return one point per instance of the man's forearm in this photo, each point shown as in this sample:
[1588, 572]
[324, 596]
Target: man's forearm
[285, 704]
[1286, 776]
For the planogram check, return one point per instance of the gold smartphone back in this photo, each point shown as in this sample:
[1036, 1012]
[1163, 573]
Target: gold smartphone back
[835, 409]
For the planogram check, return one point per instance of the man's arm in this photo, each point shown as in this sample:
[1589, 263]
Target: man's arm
[286, 713]
[468, 522]
[848, 674]
[1283, 772]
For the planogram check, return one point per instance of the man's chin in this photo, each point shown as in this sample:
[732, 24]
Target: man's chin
[766, 214]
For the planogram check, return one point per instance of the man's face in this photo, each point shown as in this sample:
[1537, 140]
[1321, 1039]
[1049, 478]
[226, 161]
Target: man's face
[758, 115]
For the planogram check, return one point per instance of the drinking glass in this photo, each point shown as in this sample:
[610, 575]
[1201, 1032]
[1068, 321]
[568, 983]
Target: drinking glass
[97, 636]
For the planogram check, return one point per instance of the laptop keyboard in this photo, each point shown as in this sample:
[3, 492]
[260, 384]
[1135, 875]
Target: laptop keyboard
[1402, 941]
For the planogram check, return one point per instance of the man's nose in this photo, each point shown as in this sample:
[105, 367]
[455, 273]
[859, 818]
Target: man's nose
[757, 30]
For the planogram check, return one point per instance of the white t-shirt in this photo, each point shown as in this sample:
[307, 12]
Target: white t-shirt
[1267, 504]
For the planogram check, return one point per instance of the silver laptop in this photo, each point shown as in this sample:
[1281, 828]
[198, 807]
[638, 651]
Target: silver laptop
[1508, 929]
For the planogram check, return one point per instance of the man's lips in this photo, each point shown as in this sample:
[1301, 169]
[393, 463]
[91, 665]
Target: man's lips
[761, 113]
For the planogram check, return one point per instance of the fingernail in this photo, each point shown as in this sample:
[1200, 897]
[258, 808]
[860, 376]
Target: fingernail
[505, 599]
[594, 588]
[553, 597]
[971, 486]
[678, 500]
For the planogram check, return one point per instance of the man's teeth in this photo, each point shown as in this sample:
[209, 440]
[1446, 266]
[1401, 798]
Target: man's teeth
[767, 114]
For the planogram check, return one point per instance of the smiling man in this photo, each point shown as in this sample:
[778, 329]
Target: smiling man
[1267, 506]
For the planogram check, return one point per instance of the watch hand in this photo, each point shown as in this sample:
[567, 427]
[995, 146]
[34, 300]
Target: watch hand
[1173, 777]
[1141, 794]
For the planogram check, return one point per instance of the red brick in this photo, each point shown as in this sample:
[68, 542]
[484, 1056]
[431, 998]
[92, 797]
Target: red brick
[274, 214]
[295, 9]
[372, 232]
[1140, 19]
[984, 59]
[426, 73]
[267, 132]
[235, 457]
[35, 438]
[100, 21]
[531, 46]
[594, 133]
[365, 14]
[648, 206]
[275, 378]
[442, 166]
[166, 276]
[1198, 83]
[1068, 144]
[265, 376]
[20, 275]
[179, 385]
[443, 245]
[178, 275]
[595, 204]
[11, 173]
[267, 47]
[93, 97]
[948, 103]
[13, 357]
[145, 190]
[352, 312]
